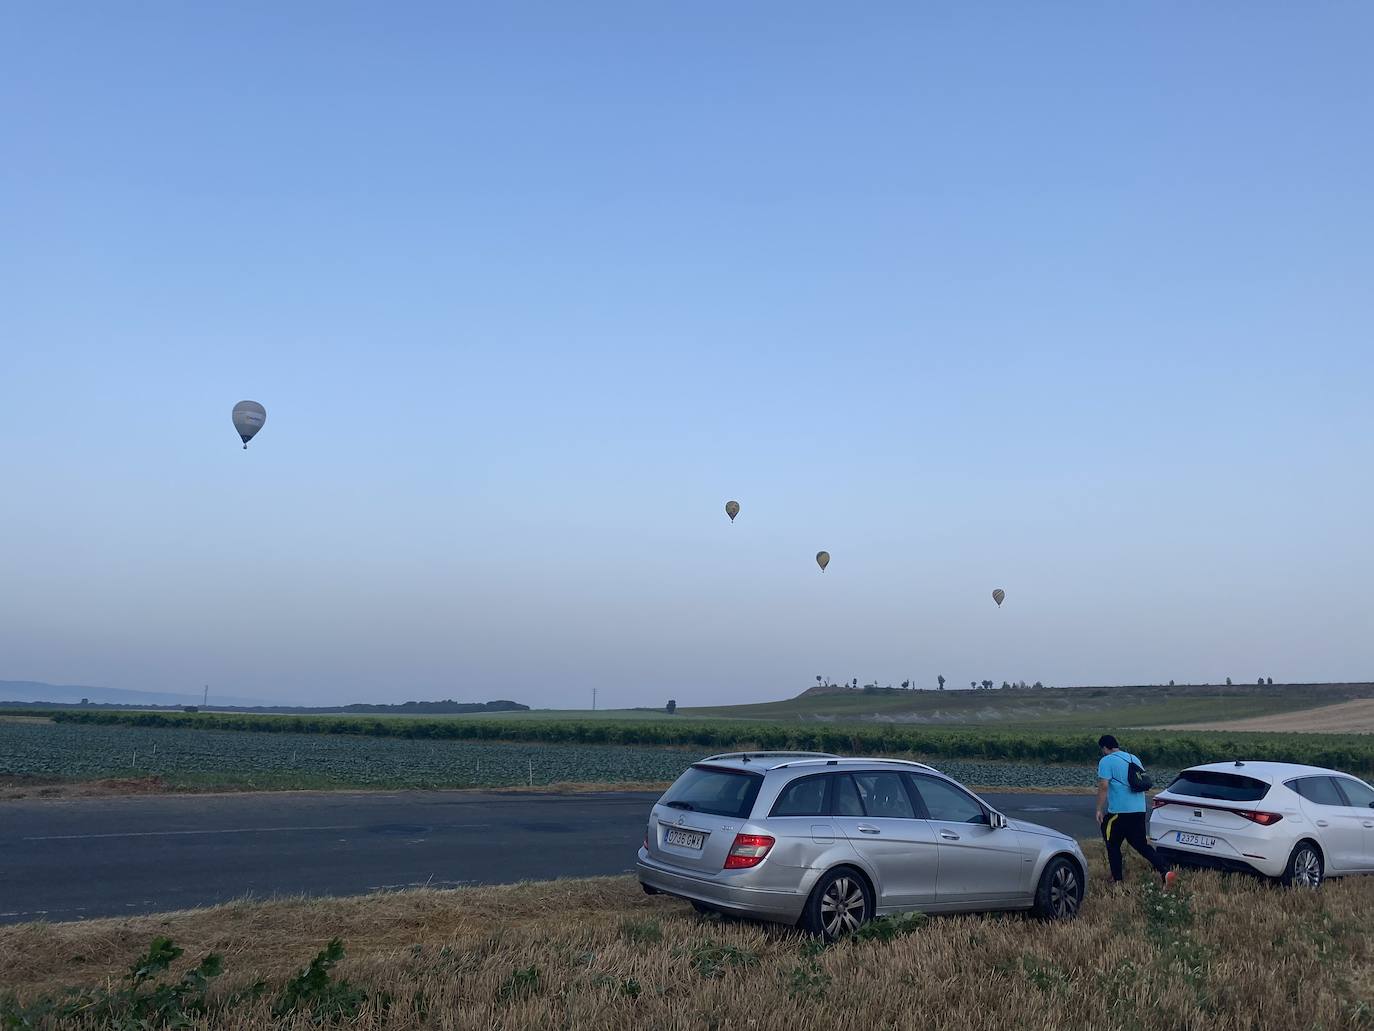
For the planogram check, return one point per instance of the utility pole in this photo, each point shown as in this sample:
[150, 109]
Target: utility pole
[205, 697]
[593, 699]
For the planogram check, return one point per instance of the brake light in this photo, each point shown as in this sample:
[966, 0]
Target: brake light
[1263, 819]
[748, 850]
[1157, 802]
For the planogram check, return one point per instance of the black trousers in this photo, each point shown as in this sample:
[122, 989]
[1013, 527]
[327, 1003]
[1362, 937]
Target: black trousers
[1122, 827]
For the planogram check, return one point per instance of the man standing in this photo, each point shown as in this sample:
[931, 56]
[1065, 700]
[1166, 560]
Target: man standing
[1121, 811]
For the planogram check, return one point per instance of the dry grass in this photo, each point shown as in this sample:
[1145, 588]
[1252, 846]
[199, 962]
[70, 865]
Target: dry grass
[12, 787]
[1355, 717]
[598, 954]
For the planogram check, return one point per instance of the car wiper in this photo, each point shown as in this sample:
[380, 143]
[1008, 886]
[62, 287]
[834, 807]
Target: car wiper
[681, 805]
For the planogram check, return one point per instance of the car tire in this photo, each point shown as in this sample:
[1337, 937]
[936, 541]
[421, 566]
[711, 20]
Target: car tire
[1306, 868]
[840, 903]
[1059, 895]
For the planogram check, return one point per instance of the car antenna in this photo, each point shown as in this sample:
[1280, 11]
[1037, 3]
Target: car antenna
[744, 757]
[1239, 763]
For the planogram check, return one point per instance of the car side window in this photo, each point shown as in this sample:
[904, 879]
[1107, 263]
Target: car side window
[884, 796]
[1321, 790]
[846, 796]
[1357, 793]
[804, 797]
[948, 803]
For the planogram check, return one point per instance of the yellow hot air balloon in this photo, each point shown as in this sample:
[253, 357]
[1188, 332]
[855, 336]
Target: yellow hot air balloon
[822, 559]
[732, 509]
[998, 595]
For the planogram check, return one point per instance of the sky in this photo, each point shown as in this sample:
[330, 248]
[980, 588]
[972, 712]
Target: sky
[1067, 299]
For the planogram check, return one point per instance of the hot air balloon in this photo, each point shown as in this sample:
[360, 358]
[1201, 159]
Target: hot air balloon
[248, 419]
[822, 559]
[732, 509]
[998, 595]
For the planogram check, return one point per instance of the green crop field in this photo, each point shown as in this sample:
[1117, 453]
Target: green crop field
[1352, 752]
[205, 758]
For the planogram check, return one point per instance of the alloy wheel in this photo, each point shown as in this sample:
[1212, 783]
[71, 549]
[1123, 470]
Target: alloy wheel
[1065, 893]
[842, 907]
[1307, 868]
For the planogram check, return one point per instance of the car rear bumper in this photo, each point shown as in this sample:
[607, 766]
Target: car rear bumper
[1233, 849]
[1190, 857]
[779, 906]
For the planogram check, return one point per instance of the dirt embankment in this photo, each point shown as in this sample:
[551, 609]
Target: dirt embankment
[1356, 717]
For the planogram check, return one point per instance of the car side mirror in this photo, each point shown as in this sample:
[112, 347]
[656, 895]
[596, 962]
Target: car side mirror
[996, 820]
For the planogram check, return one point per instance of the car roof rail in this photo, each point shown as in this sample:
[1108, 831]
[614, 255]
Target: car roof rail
[835, 760]
[765, 753]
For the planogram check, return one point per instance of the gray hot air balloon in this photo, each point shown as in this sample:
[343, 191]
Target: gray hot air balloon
[732, 509]
[998, 595]
[822, 559]
[248, 419]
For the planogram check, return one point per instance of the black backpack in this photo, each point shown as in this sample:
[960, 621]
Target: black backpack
[1136, 778]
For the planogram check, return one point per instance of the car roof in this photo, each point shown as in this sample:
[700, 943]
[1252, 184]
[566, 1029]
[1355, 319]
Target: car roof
[1265, 770]
[763, 762]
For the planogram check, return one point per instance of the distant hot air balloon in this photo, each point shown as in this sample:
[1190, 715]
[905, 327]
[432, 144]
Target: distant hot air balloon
[732, 509]
[998, 595]
[248, 419]
[822, 559]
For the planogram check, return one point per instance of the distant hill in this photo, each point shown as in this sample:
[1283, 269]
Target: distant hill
[1095, 708]
[32, 694]
[72, 694]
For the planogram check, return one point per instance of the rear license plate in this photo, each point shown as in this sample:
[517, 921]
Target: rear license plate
[1196, 839]
[684, 839]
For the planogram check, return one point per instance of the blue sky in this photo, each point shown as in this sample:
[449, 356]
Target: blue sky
[1067, 299]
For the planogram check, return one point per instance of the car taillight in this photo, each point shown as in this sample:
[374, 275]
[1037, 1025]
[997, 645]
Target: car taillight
[748, 850]
[1155, 803]
[1263, 819]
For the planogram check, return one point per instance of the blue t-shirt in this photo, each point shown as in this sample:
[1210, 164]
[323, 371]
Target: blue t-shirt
[1120, 798]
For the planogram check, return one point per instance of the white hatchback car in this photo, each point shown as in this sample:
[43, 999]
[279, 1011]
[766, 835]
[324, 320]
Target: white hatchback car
[1299, 824]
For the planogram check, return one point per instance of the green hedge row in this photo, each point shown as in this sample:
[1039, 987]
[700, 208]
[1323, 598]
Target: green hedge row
[1350, 752]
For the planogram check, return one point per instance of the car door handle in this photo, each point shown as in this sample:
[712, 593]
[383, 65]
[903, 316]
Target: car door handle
[1368, 823]
[1320, 823]
[949, 835]
[866, 829]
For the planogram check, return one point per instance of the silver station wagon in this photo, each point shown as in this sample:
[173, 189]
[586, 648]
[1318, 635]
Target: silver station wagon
[827, 843]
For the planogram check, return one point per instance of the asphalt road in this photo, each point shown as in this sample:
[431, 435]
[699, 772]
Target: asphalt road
[73, 859]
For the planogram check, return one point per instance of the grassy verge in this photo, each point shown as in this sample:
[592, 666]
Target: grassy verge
[1354, 752]
[1222, 953]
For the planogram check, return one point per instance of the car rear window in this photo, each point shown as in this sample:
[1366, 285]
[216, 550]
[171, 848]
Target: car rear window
[710, 789]
[884, 796]
[1225, 787]
[805, 797]
[845, 800]
[1321, 790]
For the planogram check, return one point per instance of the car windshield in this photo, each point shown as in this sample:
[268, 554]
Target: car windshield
[1226, 787]
[710, 789]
